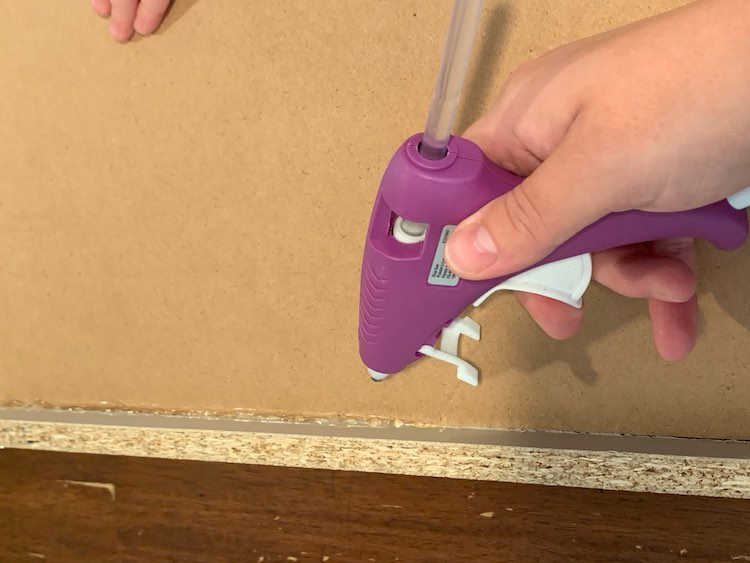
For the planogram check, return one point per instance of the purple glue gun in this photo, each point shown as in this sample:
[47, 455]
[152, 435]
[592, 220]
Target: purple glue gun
[409, 299]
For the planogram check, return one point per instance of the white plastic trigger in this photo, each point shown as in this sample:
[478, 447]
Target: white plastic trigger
[565, 280]
[741, 199]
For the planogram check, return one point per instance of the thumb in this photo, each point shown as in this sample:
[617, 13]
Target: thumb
[566, 193]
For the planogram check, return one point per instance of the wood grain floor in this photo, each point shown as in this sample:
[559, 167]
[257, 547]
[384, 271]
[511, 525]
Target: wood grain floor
[72, 507]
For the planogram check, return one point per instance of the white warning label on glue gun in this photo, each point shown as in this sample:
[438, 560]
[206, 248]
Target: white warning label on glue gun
[439, 272]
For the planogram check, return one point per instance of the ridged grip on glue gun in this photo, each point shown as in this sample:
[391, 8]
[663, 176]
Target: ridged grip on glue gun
[406, 295]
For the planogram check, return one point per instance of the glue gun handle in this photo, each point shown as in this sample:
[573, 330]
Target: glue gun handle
[718, 223]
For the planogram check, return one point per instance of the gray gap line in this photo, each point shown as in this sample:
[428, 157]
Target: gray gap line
[540, 439]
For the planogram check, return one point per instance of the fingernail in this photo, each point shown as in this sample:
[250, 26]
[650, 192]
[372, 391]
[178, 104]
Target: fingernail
[119, 34]
[140, 27]
[471, 249]
[671, 297]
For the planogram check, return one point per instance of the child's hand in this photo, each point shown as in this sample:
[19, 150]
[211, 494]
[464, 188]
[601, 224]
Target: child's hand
[143, 16]
[652, 116]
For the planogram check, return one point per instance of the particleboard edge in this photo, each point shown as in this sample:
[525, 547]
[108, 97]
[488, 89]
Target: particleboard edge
[610, 462]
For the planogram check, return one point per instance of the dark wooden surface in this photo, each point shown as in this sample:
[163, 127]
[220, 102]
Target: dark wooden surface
[158, 510]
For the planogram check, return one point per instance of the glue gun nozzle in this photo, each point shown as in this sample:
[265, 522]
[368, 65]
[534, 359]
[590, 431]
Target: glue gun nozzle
[376, 375]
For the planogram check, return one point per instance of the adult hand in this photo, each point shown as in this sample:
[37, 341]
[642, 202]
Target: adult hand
[651, 116]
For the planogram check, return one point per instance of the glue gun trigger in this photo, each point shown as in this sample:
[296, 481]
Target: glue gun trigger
[564, 280]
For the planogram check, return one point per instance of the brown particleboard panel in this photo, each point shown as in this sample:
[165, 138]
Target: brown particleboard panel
[67, 507]
[182, 219]
[685, 466]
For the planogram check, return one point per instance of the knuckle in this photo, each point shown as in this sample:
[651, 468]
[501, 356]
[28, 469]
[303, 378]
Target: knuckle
[523, 216]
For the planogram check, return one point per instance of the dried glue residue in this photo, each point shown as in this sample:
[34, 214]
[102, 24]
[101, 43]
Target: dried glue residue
[109, 487]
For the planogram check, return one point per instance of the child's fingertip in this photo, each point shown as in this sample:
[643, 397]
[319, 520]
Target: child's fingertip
[102, 8]
[142, 28]
[120, 34]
